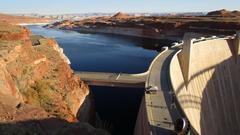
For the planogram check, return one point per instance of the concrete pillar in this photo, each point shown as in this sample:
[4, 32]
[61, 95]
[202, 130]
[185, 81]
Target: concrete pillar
[235, 47]
[184, 56]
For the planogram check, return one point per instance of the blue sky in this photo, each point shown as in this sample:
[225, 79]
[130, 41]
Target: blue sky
[86, 6]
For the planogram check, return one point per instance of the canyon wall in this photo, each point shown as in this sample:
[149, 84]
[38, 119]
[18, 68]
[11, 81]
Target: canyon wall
[156, 27]
[39, 93]
[13, 19]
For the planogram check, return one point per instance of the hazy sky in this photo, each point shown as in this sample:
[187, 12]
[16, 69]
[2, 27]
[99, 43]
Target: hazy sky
[85, 6]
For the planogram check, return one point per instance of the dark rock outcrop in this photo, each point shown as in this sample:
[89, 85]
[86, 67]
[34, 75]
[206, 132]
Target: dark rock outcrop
[224, 13]
[120, 15]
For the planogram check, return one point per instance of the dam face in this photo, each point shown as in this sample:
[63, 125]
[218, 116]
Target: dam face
[205, 78]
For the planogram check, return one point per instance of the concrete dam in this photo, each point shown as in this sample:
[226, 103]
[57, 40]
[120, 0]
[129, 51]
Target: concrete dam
[190, 88]
[205, 79]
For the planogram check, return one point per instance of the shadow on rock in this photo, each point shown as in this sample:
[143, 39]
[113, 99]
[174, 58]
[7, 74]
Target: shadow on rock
[50, 126]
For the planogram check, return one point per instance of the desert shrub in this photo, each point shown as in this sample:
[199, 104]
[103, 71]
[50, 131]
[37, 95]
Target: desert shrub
[45, 88]
[40, 94]
[44, 94]
[31, 96]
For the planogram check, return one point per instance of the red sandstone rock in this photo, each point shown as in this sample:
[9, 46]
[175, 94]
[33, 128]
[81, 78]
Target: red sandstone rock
[13, 33]
[215, 23]
[22, 19]
[37, 85]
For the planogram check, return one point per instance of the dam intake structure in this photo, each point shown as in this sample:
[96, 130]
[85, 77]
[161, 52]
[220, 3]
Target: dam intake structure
[195, 81]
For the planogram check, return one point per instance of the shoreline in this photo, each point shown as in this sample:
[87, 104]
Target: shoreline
[26, 24]
[129, 32]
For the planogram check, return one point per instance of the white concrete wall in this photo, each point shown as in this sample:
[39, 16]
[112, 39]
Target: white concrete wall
[211, 99]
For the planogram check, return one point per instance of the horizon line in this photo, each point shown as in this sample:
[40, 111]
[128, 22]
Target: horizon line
[174, 12]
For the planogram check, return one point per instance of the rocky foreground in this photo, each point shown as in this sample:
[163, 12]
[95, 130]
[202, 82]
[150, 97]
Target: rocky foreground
[39, 94]
[220, 22]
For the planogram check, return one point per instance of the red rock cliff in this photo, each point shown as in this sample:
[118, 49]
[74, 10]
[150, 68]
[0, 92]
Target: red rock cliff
[37, 83]
[22, 19]
[220, 22]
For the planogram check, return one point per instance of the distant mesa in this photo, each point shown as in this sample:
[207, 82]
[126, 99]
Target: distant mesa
[120, 15]
[236, 12]
[13, 19]
[224, 13]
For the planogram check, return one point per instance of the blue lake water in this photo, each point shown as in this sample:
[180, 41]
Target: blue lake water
[98, 52]
[107, 53]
